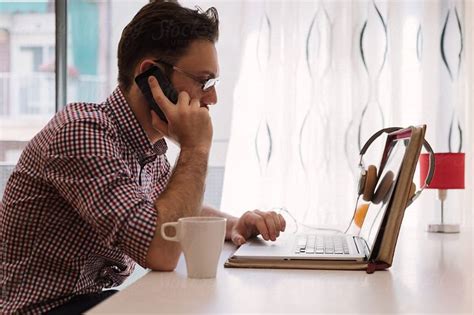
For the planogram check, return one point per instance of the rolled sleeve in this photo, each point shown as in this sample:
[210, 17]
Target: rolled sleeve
[90, 175]
[138, 232]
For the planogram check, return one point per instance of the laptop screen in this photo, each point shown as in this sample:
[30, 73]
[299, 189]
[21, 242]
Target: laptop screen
[391, 161]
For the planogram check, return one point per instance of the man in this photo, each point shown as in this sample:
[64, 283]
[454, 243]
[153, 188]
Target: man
[92, 189]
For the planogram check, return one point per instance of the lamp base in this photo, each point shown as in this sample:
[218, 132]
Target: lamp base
[443, 228]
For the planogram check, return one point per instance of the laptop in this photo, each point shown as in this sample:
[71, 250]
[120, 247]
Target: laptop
[372, 247]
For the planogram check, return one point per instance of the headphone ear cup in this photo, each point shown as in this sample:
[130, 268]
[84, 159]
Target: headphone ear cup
[370, 182]
[384, 188]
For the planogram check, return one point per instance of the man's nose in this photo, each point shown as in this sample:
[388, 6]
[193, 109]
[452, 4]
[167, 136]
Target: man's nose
[210, 97]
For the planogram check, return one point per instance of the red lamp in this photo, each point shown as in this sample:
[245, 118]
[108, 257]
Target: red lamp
[448, 174]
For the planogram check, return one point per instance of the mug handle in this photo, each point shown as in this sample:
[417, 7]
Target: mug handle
[163, 233]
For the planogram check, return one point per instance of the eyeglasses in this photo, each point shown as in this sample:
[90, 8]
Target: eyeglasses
[206, 84]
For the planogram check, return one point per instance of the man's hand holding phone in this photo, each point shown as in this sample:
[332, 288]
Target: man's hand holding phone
[189, 124]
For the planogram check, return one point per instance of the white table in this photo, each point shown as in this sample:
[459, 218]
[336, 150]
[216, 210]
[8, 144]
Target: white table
[431, 273]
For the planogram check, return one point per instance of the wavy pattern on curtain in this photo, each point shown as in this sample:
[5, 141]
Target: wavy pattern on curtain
[318, 78]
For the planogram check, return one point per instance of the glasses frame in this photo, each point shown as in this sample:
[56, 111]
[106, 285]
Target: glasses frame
[206, 84]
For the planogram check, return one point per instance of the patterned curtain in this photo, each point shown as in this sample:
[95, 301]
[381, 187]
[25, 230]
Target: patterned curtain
[318, 78]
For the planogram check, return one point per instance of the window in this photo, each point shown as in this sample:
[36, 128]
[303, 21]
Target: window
[27, 42]
[92, 50]
[27, 62]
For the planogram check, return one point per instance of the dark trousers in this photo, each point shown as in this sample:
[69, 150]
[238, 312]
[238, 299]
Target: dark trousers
[82, 303]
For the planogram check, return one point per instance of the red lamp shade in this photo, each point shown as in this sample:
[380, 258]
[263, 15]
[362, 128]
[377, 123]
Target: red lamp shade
[448, 173]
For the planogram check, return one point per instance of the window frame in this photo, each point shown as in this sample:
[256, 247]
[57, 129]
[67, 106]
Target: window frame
[61, 53]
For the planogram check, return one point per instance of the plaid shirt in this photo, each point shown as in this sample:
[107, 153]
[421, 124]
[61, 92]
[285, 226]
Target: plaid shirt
[78, 212]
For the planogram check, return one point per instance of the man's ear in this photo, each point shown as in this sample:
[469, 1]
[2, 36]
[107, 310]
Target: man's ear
[144, 65]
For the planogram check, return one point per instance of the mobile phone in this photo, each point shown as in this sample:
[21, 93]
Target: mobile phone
[166, 87]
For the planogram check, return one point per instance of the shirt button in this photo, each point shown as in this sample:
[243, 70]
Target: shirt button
[116, 269]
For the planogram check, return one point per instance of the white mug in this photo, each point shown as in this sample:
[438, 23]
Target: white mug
[201, 239]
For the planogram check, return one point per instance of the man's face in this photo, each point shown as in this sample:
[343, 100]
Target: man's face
[201, 62]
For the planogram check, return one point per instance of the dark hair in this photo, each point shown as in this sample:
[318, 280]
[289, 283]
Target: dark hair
[165, 30]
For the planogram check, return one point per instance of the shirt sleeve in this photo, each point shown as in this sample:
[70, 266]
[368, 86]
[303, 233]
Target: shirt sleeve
[84, 165]
[162, 176]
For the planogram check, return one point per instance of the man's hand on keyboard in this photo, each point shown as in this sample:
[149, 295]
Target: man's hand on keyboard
[253, 223]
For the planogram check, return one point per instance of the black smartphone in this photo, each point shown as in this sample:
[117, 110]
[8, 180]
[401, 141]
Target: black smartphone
[166, 87]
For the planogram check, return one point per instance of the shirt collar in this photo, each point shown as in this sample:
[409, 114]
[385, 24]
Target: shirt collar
[130, 128]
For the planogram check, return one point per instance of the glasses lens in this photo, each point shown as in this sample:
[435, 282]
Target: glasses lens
[210, 84]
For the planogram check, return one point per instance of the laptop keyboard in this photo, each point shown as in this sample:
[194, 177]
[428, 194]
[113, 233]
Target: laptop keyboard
[321, 244]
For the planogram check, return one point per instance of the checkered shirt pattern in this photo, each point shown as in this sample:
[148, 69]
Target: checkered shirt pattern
[77, 212]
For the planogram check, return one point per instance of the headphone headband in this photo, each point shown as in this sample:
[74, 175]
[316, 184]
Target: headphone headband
[375, 136]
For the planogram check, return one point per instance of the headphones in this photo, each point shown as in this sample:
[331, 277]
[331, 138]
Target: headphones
[369, 178]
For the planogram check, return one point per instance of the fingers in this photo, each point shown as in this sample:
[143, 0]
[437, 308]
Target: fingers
[262, 227]
[255, 220]
[195, 104]
[282, 222]
[183, 99]
[268, 224]
[275, 223]
[160, 98]
[253, 223]
[185, 103]
[238, 239]
[272, 222]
